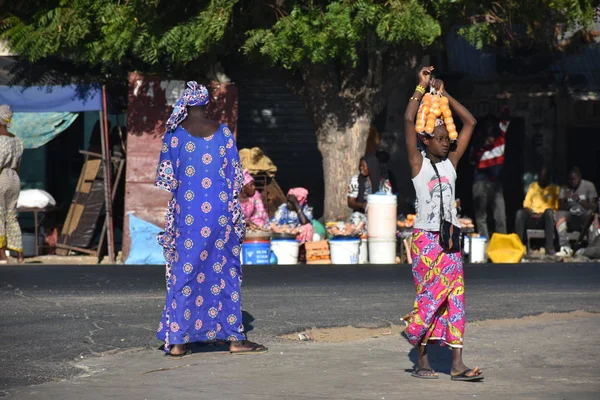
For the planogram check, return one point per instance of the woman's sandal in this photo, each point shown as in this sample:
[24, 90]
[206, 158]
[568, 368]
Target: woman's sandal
[187, 352]
[255, 349]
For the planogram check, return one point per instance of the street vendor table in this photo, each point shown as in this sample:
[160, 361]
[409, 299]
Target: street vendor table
[37, 220]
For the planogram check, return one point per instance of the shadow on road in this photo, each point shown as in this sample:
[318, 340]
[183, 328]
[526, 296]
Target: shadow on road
[440, 358]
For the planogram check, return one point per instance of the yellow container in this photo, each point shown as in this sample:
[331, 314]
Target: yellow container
[505, 249]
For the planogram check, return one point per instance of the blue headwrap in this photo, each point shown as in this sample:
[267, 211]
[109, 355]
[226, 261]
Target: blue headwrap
[194, 95]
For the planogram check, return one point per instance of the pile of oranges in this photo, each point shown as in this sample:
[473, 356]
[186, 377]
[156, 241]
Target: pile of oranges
[434, 106]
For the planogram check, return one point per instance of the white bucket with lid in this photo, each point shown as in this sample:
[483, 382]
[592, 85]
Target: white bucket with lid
[382, 250]
[477, 249]
[381, 216]
[286, 251]
[344, 251]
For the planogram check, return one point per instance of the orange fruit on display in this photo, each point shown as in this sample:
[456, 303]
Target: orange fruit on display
[447, 113]
[444, 100]
[451, 128]
[448, 120]
[453, 135]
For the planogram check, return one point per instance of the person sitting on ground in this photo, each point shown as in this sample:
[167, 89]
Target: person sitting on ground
[252, 204]
[577, 201]
[294, 216]
[538, 209]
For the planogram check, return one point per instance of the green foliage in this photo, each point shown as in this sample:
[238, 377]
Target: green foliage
[342, 30]
[159, 35]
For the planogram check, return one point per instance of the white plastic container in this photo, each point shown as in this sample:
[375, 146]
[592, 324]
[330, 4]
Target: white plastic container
[381, 216]
[344, 251]
[382, 250]
[286, 251]
[477, 250]
[363, 252]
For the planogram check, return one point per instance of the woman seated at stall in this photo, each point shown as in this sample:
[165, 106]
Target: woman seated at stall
[252, 204]
[294, 216]
[368, 181]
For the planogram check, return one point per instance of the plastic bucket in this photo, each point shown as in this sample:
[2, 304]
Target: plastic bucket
[477, 249]
[381, 215]
[344, 250]
[256, 252]
[286, 251]
[363, 252]
[382, 250]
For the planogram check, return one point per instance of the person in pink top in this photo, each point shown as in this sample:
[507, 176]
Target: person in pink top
[252, 204]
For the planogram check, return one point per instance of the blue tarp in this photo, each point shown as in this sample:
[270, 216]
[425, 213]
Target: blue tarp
[70, 98]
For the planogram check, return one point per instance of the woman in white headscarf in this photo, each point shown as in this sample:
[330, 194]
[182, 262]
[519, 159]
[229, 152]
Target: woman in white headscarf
[11, 151]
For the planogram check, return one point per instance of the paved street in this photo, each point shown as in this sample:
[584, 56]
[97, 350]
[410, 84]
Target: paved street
[55, 316]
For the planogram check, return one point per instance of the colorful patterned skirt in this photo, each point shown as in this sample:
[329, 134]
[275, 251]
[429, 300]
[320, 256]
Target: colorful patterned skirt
[439, 309]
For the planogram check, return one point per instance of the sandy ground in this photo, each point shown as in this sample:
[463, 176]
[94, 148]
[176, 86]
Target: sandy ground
[541, 357]
[350, 333]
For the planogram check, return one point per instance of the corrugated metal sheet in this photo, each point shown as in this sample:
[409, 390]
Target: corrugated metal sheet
[274, 119]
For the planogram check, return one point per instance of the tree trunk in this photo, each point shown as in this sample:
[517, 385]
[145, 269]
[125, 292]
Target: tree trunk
[341, 152]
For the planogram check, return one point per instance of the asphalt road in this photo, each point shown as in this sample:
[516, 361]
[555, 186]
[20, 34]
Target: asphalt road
[52, 315]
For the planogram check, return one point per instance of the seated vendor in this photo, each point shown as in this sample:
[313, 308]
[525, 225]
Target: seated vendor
[252, 204]
[294, 216]
[361, 186]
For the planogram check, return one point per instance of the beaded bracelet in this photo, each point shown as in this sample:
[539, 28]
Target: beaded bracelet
[420, 89]
[414, 98]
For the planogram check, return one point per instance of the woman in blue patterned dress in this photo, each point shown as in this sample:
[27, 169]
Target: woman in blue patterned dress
[204, 228]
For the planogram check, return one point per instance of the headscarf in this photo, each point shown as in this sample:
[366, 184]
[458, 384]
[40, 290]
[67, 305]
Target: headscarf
[247, 177]
[438, 122]
[194, 95]
[374, 174]
[5, 115]
[301, 195]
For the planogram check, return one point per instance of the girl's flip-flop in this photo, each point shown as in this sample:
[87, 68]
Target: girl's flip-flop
[424, 373]
[465, 378]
